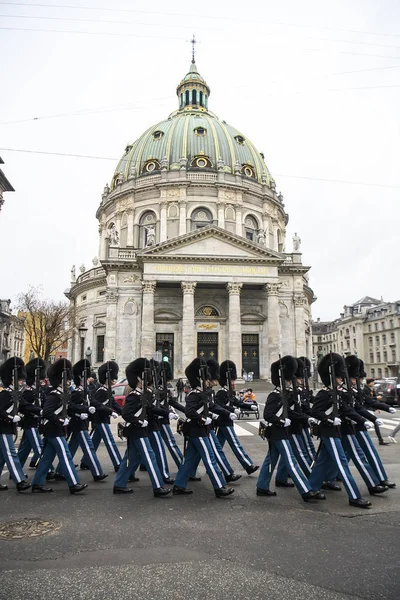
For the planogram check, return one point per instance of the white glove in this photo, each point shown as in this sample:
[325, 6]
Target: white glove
[83, 416]
[237, 411]
[173, 416]
[145, 423]
[41, 413]
[214, 416]
[114, 415]
[207, 421]
[254, 407]
[233, 416]
[379, 422]
[15, 418]
[392, 410]
[369, 424]
[337, 421]
[287, 423]
[311, 420]
[92, 410]
[65, 422]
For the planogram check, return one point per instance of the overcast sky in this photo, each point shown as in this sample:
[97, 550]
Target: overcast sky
[314, 84]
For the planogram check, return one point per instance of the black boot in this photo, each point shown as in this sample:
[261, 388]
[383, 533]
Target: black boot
[233, 477]
[309, 496]
[41, 489]
[319, 496]
[32, 464]
[360, 503]
[286, 484]
[161, 492]
[383, 443]
[378, 489]
[121, 490]
[223, 492]
[329, 485]
[252, 469]
[168, 480]
[79, 487]
[22, 486]
[261, 492]
[100, 477]
[389, 484]
[194, 478]
[142, 468]
[50, 476]
[179, 491]
[3, 488]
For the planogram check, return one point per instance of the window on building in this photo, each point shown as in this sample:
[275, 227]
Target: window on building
[384, 339]
[372, 372]
[100, 348]
[382, 324]
[385, 355]
[84, 298]
[250, 228]
[348, 344]
[341, 333]
[386, 372]
[147, 230]
[341, 346]
[391, 323]
[369, 327]
[378, 357]
[354, 329]
[379, 373]
[347, 331]
[354, 343]
[392, 338]
[319, 338]
[393, 355]
[371, 340]
[371, 357]
[377, 340]
[376, 326]
[201, 217]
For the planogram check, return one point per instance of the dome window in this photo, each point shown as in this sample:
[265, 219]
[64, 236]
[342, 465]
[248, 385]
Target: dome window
[248, 171]
[240, 139]
[150, 166]
[128, 149]
[250, 228]
[157, 135]
[201, 217]
[201, 162]
[200, 131]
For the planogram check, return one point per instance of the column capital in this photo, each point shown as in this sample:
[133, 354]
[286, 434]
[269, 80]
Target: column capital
[163, 203]
[300, 301]
[273, 289]
[234, 288]
[111, 296]
[188, 287]
[149, 287]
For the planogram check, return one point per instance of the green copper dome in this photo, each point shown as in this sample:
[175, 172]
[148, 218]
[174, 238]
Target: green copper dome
[192, 138]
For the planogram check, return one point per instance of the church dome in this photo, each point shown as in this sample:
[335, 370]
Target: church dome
[192, 138]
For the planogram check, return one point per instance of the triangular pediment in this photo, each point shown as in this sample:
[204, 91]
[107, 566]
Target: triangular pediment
[212, 241]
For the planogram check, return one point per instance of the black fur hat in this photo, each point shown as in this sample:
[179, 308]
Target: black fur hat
[353, 365]
[213, 367]
[55, 371]
[363, 372]
[102, 372]
[134, 371]
[289, 364]
[167, 368]
[300, 369]
[31, 367]
[7, 368]
[78, 368]
[223, 372]
[306, 365]
[324, 364]
[192, 372]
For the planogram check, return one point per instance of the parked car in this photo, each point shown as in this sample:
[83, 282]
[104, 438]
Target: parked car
[119, 395]
[389, 388]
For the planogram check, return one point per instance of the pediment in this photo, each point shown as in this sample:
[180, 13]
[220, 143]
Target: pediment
[212, 242]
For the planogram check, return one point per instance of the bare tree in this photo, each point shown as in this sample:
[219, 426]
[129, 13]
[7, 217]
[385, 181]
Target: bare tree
[48, 323]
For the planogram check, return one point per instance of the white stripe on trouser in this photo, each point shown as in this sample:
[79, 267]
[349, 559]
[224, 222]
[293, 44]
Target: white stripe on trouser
[308, 445]
[150, 462]
[67, 465]
[359, 461]
[10, 457]
[238, 446]
[218, 456]
[89, 452]
[300, 451]
[37, 442]
[217, 479]
[171, 443]
[161, 453]
[341, 469]
[110, 446]
[291, 463]
[366, 440]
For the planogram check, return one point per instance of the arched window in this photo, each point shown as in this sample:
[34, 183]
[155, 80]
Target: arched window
[201, 99]
[250, 228]
[151, 165]
[201, 161]
[279, 240]
[201, 217]
[147, 235]
[194, 97]
[207, 311]
[187, 99]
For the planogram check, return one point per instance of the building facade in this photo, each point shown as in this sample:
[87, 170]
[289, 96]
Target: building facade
[191, 259]
[5, 185]
[11, 333]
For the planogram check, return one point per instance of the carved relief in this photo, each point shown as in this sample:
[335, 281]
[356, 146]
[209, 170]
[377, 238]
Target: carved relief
[173, 211]
[130, 308]
[283, 309]
[300, 301]
[131, 279]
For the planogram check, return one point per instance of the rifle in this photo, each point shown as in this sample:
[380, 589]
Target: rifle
[335, 399]
[84, 385]
[65, 395]
[284, 393]
[164, 385]
[109, 388]
[229, 378]
[156, 376]
[348, 384]
[15, 397]
[203, 379]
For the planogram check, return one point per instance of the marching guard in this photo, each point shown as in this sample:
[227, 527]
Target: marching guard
[31, 411]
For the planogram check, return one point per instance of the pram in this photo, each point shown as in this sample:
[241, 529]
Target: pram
[248, 397]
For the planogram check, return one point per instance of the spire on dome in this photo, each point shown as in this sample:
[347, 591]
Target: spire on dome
[193, 91]
[193, 42]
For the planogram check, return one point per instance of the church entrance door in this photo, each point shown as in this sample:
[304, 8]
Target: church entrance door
[207, 345]
[251, 354]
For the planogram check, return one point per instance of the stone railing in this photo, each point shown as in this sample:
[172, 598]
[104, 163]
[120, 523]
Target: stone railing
[202, 176]
[292, 258]
[96, 273]
[121, 253]
[149, 180]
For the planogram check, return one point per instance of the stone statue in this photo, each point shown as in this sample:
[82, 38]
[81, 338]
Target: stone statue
[150, 236]
[88, 355]
[119, 179]
[82, 268]
[132, 171]
[273, 185]
[113, 235]
[220, 164]
[280, 197]
[238, 167]
[296, 243]
[164, 164]
[73, 274]
[261, 237]
[95, 261]
[106, 190]
[182, 162]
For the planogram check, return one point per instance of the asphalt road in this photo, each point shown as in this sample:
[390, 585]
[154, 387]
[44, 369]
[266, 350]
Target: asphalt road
[199, 547]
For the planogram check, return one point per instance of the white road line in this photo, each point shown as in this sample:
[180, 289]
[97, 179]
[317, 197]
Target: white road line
[253, 423]
[241, 432]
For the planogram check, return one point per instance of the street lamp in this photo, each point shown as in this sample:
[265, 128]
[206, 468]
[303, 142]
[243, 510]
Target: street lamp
[82, 336]
[314, 371]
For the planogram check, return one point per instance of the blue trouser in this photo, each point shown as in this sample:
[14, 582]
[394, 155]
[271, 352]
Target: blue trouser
[138, 451]
[372, 455]
[199, 447]
[354, 451]
[83, 439]
[282, 449]
[158, 448]
[228, 434]
[170, 442]
[332, 456]
[308, 443]
[31, 440]
[9, 456]
[53, 447]
[299, 450]
[219, 453]
[102, 431]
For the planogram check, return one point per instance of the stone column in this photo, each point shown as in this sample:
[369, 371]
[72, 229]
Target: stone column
[188, 332]
[110, 343]
[239, 227]
[274, 326]
[221, 214]
[163, 222]
[129, 237]
[182, 217]
[148, 342]
[300, 302]
[235, 326]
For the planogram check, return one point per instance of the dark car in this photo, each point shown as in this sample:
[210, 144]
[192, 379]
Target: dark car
[389, 389]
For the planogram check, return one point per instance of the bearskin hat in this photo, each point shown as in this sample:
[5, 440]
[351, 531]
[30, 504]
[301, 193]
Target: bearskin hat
[300, 369]
[55, 371]
[78, 368]
[213, 367]
[307, 365]
[7, 368]
[134, 371]
[192, 372]
[223, 372]
[289, 364]
[363, 372]
[166, 367]
[353, 365]
[324, 365]
[31, 367]
[102, 372]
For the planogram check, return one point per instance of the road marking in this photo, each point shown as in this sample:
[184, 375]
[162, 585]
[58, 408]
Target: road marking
[240, 431]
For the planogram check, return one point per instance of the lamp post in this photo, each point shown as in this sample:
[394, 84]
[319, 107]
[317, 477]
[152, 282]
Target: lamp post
[82, 336]
[314, 371]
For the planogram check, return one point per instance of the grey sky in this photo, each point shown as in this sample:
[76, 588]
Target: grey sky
[311, 83]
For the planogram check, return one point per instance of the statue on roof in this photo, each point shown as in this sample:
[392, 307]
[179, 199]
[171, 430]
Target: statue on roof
[296, 242]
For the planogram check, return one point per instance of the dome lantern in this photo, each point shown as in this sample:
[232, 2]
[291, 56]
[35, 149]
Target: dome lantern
[193, 91]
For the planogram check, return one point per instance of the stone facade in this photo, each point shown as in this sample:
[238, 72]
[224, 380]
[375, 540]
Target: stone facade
[5, 185]
[11, 332]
